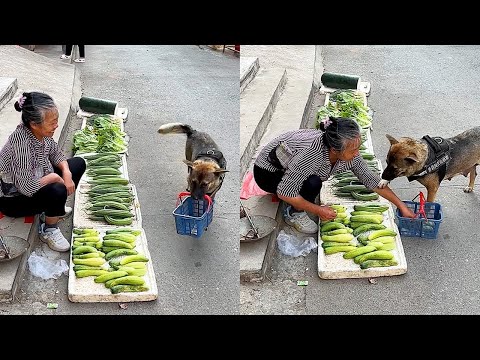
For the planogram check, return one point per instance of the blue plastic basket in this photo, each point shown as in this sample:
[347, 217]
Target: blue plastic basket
[421, 227]
[192, 217]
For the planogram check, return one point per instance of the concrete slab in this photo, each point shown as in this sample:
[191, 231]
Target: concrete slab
[249, 66]
[257, 104]
[11, 271]
[291, 112]
[63, 84]
[8, 87]
[255, 256]
[8, 271]
[30, 70]
[16, 226]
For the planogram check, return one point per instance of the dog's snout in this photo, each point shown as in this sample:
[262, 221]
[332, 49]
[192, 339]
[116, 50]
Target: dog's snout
[198, 194]
[388, 174]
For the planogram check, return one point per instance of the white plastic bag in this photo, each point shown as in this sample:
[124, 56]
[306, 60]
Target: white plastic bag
[46, 268]
[292, 246]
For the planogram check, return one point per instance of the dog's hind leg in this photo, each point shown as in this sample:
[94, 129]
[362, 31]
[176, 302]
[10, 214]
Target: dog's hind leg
[473, 173]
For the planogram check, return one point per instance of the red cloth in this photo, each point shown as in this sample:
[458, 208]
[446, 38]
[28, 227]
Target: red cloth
[250, 187]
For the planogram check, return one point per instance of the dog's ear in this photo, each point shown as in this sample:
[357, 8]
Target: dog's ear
[189, 163]
[412, 158]
[221, 171]
[392, 140]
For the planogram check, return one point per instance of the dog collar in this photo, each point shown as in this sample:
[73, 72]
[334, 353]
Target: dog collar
[438, 157]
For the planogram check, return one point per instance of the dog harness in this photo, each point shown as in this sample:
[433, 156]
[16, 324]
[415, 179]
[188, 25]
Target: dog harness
[214, 154]
[438, 157]
[218, 157]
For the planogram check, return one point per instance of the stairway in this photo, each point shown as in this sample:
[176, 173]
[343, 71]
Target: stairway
[23, 71]
[273, 100]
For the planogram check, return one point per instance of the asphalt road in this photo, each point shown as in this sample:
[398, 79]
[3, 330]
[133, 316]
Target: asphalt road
[160, 84]
[416, 90]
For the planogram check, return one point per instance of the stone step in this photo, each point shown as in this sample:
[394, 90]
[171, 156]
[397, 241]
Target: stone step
[249, 66]
[290, 113]
[257, 104]
[11, 272]
[62, 82]
[8, 88]
[255, 255]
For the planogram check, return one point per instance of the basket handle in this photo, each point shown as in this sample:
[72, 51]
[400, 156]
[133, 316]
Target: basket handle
[186, 193]
[421, 210]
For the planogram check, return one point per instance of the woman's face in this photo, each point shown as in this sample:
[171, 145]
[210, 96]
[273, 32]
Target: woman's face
[48, 126]
[351, 150]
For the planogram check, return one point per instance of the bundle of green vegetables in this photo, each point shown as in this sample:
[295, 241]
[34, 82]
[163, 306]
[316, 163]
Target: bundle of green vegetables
[346, 103]
[102, 134]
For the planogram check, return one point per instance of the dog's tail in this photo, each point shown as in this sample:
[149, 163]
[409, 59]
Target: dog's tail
[176, 128]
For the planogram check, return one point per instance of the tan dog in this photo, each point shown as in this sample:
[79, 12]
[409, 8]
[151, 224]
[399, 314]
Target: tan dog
[430, 162]
[205, 161]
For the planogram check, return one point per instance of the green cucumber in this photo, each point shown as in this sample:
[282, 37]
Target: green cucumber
[378, 263]
[128, 288]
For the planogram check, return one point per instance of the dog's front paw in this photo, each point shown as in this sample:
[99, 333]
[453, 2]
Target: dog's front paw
[383, 183]
[468, 189]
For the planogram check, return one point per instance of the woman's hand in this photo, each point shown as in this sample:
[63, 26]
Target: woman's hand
[388, 194]
[407, 212]
[326, 213]
[51, 179]
[69, 184]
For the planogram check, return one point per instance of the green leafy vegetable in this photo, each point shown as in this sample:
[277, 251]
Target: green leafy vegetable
[346, 103]
[102, 134]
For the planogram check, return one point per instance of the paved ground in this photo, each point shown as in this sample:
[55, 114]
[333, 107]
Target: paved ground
[416, 90]
[161, 84]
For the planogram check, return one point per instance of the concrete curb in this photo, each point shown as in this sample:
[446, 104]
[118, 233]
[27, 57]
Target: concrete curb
[9, 91]
[305, 118]
[249, 73]
[261, 126]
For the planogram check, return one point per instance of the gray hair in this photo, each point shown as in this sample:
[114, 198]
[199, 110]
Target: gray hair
[33, 106]
[339, 131]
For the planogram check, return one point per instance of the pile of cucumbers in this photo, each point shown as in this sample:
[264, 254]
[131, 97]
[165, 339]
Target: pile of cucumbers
[347, 185]
[374, 240]
[110, 195]
[112, 259]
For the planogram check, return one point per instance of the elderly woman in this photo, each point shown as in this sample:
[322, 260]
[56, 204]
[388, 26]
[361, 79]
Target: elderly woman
[295, 164]
[35, 176]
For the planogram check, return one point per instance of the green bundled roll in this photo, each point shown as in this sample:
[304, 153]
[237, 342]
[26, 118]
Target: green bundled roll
[340, 81]
[97, 106]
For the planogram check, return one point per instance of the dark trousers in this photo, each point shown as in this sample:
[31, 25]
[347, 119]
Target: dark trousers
[50, 198]
[268, 181]
[81, 50]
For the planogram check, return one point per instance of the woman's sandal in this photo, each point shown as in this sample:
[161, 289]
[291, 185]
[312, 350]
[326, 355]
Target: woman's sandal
[80, 60]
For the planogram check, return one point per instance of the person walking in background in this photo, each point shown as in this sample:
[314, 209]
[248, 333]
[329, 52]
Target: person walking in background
[35, 176]
[68, 53]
